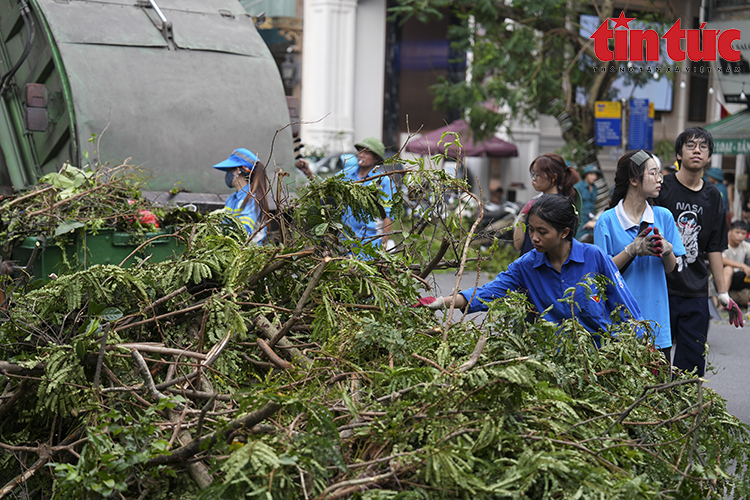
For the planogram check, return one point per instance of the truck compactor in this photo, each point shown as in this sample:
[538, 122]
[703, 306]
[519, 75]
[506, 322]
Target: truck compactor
[174, 86]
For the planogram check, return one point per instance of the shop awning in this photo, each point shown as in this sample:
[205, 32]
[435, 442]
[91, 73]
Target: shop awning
[434, 143]
[732, 134]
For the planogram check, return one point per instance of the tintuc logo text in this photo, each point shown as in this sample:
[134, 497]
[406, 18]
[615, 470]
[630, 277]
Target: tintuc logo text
[633, 49]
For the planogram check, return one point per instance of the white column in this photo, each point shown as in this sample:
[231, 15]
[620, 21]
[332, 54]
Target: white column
[369, 70]
[739, 169]
[328, 73]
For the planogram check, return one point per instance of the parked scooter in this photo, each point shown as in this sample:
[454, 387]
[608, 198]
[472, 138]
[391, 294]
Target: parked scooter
[498, 219]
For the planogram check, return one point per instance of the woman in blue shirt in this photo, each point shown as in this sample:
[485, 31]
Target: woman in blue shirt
[642, 239]
[246, 174]
[556, 262]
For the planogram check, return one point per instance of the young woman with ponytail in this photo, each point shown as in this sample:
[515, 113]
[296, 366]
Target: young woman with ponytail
[642, 239]
[549, 175]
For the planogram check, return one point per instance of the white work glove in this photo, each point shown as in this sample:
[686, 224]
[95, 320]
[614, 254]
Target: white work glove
[735, 314]
[431, 303]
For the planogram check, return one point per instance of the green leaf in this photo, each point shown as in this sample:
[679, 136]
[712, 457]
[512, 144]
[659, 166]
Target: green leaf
[80, 349]
[68, 226]
[111, 314]
[59, 180]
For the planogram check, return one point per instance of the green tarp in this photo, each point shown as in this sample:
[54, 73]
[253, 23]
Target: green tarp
[732, 134]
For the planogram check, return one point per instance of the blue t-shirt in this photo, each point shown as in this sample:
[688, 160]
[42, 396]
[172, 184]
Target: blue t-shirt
[533, 274]
[248, 216]
[368, 229]
[645, 277]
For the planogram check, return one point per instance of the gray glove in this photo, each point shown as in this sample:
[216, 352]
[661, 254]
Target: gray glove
[641, 245]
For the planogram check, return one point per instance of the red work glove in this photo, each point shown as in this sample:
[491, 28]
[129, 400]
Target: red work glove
[431, 303]
[661, 247]
[735, 314]
[147, 217]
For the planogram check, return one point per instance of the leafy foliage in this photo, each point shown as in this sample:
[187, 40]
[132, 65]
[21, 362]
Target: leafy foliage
[130, 377]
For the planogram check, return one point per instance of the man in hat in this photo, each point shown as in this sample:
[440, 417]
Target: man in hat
[367, 169]
[244, 172]
[588, 191]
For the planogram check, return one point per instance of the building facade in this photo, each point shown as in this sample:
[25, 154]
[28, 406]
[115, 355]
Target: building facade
[360, 75]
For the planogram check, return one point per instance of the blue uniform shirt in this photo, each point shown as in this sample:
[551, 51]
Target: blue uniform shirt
[248, 216]
[369, 229]
[533, 274]
[645, 277]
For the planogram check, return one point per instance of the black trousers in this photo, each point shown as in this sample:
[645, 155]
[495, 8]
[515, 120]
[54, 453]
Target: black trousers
[689, 319]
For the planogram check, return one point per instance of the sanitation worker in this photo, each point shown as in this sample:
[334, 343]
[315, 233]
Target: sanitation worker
[244, 172]
[367, 169]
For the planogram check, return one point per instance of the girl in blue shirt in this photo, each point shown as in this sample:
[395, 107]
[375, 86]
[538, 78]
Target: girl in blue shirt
[556, 262]
[246, 174]
[642, 239]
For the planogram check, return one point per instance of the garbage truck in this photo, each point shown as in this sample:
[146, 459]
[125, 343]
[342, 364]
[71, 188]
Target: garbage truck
[173, 86]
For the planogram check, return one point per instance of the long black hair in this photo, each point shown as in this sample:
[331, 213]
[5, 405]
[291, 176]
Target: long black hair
[257, 189]
[629, 168]
[557, 211]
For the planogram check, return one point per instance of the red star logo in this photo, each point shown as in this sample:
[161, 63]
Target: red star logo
[621, 21]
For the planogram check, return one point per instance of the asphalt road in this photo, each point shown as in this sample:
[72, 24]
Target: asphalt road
[728, 358]
[729, 370]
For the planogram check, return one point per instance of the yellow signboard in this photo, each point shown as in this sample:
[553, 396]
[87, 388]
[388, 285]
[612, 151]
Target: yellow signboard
[607, 109]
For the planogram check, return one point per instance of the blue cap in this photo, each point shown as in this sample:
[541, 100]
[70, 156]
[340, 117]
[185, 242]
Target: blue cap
[591, 168]
[243, 158]
[715, 173]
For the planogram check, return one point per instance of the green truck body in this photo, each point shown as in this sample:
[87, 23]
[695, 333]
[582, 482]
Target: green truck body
[173, 87]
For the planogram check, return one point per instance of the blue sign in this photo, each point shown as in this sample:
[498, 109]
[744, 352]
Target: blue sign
[608, 123]
[639, 132]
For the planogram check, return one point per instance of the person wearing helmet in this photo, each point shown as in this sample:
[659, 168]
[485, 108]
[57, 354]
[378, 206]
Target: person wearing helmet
[370, 154]
[244, 172]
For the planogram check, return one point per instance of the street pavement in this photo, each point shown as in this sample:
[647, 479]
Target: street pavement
[729, 370]
[729, 348]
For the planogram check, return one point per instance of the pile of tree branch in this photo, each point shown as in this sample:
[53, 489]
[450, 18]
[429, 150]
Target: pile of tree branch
[298, 372]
